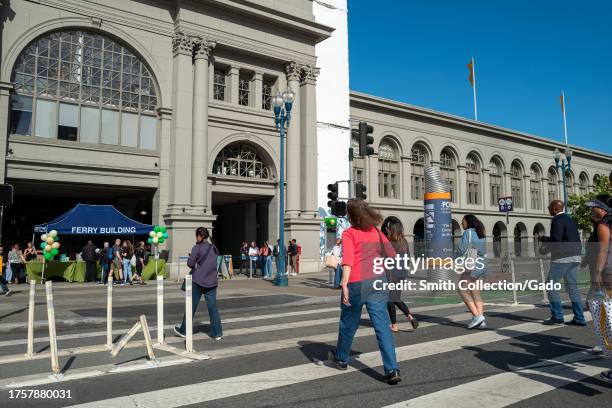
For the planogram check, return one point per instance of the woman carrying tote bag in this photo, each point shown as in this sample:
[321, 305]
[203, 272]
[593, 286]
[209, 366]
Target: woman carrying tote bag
[203, 264]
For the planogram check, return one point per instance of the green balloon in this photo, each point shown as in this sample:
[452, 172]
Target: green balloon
[150, 240]
[54, 251]
[48, 256]
[160, 241]
[156, 228]
[43, 245]
[56, 238]
[165, 235]
[162, 228]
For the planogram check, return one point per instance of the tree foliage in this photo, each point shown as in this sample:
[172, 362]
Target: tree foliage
[580, 212]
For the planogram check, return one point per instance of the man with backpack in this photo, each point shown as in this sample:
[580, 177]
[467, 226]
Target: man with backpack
[105, 257]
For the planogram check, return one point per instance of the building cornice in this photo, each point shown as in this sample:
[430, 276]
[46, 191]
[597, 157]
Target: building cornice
[445, 119]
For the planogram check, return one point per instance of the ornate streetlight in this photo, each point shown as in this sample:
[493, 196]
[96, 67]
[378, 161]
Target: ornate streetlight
[282, 116]
[563, 165]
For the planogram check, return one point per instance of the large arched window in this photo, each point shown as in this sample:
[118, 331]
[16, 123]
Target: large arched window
[448, 168]
[359, 164]
[569, 182]
[419, 160]
[535, 187]
[473, 170]
[388, 169]
[516, 183]
[583, 186]
[553, 185]
[496, 177]
[241, 160]
[83, 86]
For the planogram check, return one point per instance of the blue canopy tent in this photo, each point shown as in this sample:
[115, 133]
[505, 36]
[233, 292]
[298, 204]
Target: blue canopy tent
[87, 219]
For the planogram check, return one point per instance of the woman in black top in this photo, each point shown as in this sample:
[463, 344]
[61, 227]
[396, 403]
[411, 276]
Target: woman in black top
[394, 231]
[140, 261]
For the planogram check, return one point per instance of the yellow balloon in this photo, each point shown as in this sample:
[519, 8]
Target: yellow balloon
[152, 234]
[48, 248]
[43, 237]
[53, 233]
[50, 240]
[155, 240]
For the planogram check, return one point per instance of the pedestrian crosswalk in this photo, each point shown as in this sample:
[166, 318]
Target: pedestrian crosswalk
[278, 359]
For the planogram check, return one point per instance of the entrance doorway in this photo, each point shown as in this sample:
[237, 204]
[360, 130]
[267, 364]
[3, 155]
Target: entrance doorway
[240, 217]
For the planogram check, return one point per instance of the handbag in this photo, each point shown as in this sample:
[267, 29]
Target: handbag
[470, 253]
[191, 271]
[133, 260]
[331, 261]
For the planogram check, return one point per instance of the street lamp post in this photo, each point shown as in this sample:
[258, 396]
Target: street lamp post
[563, 165]
[282, 117]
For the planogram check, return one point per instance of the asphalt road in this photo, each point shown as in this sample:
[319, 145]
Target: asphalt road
[274, 351]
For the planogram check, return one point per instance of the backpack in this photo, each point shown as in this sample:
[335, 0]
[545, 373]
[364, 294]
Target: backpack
[109, 253]
[276, 250]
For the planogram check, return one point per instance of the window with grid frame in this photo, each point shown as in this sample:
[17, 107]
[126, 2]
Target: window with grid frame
[495, 181]
[472, 179]
[244, 89]
[266, 93]
[535, 189]
[359, 175]
[553, 185]
[417, 173]
[569, 182]
[448, 170]
[516, 184]
[583, 186]
[67, 82]
[241, 160]
[219, 84]
[388, 170]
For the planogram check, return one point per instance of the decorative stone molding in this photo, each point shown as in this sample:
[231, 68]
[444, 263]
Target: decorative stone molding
[293, 70]
[182, 44]
[203, 47]
[309, 75]
[97, 22]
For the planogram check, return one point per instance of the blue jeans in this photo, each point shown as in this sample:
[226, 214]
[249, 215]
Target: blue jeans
[127, 270]
[361, 293]
[3, 283]
[337, 276]
[105, 270]
[210, 295]
[567, 272]
[252, 265]
[268, 267]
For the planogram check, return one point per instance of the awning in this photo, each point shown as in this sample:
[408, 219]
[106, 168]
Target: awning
[86, 219]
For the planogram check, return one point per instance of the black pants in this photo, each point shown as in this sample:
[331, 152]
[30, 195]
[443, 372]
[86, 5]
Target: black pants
[3, 284]
[91, 269]
[395, 299]
[18, 272]
[244, 263]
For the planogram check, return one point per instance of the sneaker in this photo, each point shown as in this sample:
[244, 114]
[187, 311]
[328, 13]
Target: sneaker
[552, 322]
[217, 338]
[575, 322]
[8, 293]
[606, 376]
[177, 332]
[482, 325]
[476, 321]
[331, 356]
[597, 350]
[392, 377]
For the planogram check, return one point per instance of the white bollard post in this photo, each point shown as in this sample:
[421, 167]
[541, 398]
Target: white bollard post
[160, 309]
[52, 337]
[147, 336]
[30, 351]
[544, 294]
[109, 313]
[515, 300]
[188, 315]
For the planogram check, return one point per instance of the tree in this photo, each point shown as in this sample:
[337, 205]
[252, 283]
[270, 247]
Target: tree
[580, 212]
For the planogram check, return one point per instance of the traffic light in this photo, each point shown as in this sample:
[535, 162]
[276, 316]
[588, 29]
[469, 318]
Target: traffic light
[360, 191]
[337, 208]
[365, 139]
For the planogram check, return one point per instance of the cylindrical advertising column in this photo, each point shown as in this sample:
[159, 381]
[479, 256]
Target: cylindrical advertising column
[438, 223]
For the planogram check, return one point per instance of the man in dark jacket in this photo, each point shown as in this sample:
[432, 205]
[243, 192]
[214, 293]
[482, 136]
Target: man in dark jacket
[91, 258]
[564, 247]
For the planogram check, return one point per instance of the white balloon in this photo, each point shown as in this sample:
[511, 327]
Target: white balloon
[160, 234]
[155, 240]
[43, 237]
[53, 233]
[48, 248]
[50, 240]
[152, 234]
[55, 245]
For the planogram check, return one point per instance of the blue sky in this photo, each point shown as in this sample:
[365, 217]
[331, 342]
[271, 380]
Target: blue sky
[526, 52]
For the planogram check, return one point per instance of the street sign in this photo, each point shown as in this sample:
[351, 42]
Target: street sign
[6, 195]
[505, 204]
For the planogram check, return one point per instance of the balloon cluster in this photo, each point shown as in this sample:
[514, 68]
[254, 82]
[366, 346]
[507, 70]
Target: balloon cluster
[50, 244]
[158, 235]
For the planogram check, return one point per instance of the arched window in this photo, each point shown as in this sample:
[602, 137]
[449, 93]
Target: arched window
[496, 177]
[241, 160]
[448, 168]
[535, 189]
[472, 178]
[583, 186]
[359, 164]
[419, 159]
[553, 185]
[86, 87]
[516, 183]
[569, 182]
[388, 170]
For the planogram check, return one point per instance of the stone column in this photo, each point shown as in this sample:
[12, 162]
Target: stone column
[406, 180]
[308, 122]
[182, 124]
[526, 193]
[293, 144]
[234, 75]
[486, 189]
[462, 185]
[5, 88]
[162, 196]
[199, 152]
[372, 175]
[544, 192]
[257, 91]
[507, 184]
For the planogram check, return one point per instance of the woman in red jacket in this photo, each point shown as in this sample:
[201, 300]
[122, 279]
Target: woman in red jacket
[361, 245]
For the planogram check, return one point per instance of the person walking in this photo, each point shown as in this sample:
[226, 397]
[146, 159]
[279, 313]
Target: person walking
[361, 244]
[473, 245]
[293, 254]
[393, 229]
[601, 275]
[17, 262]
[127, 252]
[116, 265]
[253, 254]
[337, 252]
[105, 256]
[276, 253]
[564, 246]
[88, 253]
[140, 254]
[3, 282]
[203, 263]
[244, 258]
